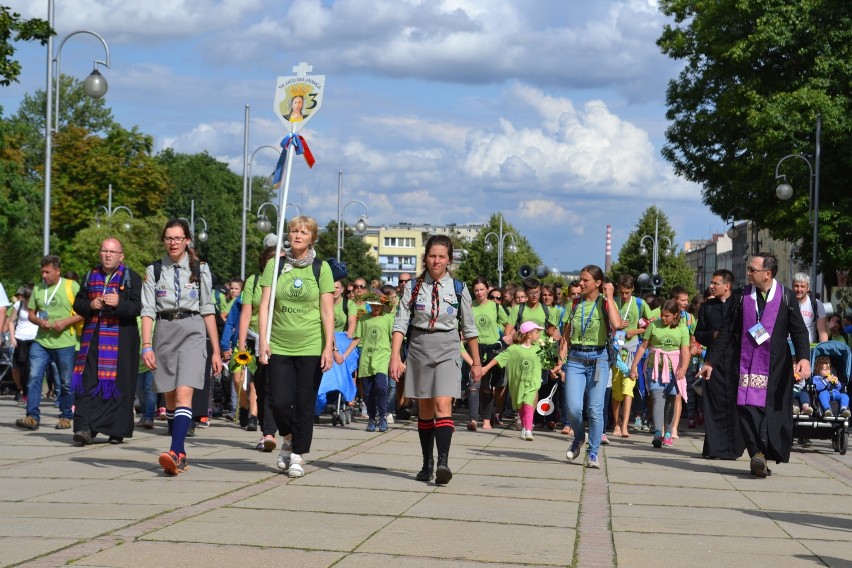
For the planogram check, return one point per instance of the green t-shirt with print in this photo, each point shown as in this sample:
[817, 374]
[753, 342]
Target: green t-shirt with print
[523, 371]
[340, 317]
[296, 321]
[665, 337]
[490, 321]
[56, 301]
[375, 335]
[586, 323]
[535, 314]
[250, 296]
[654, 314]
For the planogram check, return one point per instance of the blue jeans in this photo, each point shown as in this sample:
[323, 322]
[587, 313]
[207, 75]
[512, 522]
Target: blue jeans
[376, 395]
[40, 358]
[146, 395]
[586, 374]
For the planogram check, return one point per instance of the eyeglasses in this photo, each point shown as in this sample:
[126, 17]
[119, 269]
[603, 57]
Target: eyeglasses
[714, 284]
[176, 240]
[751, 269]
[104, 251]
[360, 286]
[401, 281]
[495, 297]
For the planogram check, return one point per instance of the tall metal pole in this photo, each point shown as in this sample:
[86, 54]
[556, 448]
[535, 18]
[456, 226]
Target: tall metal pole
[192, 221]
[816, 205]
[48, 135]
[656, 247]
[339, 214]
[500, 254]
[246, 203]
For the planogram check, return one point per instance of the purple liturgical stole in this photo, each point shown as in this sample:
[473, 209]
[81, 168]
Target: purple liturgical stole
[754, 358]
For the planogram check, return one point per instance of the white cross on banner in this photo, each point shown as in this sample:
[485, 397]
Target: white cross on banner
[298, 97]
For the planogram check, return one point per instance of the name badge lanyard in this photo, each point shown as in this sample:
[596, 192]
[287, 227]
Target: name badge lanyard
[584, 322]
[626, 312]
[48, 300]
[757, 309]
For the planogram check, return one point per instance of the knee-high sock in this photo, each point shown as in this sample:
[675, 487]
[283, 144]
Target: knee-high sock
[426, 430]
[183, 420]
[444, 429]
[170, 419]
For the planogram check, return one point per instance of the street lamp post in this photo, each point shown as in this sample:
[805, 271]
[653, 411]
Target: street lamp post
[202, 235]
[501, 241]
[248, 159]
[360, 225]
[656, 280]
[109, 210]
[94, 85]
[784, 191]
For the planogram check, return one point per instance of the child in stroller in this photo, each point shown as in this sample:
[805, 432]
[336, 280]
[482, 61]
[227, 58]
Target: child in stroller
[829, 388]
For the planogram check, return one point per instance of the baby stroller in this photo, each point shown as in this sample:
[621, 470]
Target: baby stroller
[337, 387]
[817, 426]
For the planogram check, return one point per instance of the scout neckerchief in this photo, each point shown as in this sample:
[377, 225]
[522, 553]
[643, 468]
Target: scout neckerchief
[106, 325]
[436, 304]
[754, 357]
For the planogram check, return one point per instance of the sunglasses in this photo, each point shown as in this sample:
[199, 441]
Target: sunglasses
[360, 286]
[495, 297]
[401, 281]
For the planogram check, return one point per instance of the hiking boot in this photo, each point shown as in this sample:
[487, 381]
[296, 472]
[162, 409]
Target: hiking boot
[443, 475]
[63, 424]
[425, 474]
[28, 422]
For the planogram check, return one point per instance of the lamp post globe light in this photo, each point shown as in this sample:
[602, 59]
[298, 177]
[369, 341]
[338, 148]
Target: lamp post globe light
[784, 192]
[360, 225]
[249, 158]
[263, 224]
[203, 233]
[109, 211]
[94, 86]
[500, 239]
[656, 280]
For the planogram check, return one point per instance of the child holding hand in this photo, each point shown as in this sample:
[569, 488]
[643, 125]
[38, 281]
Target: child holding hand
[523, 371]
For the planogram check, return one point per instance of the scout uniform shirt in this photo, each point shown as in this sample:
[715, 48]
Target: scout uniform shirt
[54, 303]
[451, 309]
[174, 291]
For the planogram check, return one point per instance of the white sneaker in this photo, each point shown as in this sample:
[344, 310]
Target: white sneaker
[389, 418]
[285, 456]
[295, 469]
[523, 434]
[529, 437]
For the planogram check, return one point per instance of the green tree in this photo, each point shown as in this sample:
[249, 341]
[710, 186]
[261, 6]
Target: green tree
[355, 253]
[672, 267]
[757, 72]
[479, 262]
[13, 28]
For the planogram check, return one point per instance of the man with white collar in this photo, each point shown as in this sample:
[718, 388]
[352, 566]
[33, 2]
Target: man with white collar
[813, 312]
[754, 341]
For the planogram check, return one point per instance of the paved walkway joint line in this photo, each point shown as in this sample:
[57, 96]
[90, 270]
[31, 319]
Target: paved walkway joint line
[595, 548]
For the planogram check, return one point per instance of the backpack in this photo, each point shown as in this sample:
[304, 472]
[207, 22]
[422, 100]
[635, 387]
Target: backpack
[317, 268]
[521, 313]
[76, 328]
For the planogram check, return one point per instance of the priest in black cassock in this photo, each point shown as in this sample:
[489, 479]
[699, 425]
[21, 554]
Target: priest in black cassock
[754, 341]
[104, 380]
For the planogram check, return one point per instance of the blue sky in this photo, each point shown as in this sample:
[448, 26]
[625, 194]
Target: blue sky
[441, 111]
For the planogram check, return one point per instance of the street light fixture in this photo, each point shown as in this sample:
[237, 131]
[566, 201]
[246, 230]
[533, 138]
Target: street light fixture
[247, 191]
[202, 234]
[360, 225]
[501, 242]
[263, 223]
[656, 279]
[95, 86]
[784, 192]
[109, 211]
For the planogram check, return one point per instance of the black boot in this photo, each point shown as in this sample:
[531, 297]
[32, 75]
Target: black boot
[443, 475]
[425, 474]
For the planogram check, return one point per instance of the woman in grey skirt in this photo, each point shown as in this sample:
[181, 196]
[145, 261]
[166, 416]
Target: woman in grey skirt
[177, 292]
[429, 314]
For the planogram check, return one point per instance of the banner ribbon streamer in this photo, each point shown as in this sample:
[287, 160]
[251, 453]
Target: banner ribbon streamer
[301, 147]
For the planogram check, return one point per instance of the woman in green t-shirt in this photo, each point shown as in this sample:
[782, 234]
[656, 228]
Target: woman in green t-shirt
[490, 320]
[583, 348]
[300, 347]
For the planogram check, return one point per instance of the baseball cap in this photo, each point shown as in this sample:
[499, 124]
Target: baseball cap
[528, 326]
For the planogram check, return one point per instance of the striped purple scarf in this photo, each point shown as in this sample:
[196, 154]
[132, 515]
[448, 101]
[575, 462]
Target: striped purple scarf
[107, 328]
